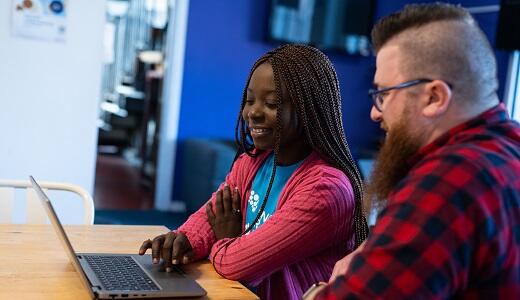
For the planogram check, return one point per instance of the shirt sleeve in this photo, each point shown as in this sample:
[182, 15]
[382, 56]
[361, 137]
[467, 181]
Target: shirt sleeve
[313, 218]
[422, 244]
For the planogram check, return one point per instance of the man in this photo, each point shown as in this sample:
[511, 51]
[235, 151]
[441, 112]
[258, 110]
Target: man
[449, 168]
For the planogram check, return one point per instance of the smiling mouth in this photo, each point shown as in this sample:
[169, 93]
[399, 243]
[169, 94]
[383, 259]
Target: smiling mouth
[260, 132]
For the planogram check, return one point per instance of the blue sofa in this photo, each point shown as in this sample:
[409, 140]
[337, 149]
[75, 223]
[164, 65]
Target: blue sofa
[205, 164]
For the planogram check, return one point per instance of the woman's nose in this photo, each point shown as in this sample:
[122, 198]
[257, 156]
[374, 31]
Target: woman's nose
[255, 112]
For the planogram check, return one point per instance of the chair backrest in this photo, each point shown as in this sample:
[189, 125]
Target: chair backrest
[35, 213]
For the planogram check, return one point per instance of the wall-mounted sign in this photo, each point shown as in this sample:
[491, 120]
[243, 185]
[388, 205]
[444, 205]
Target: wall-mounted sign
[39, 19]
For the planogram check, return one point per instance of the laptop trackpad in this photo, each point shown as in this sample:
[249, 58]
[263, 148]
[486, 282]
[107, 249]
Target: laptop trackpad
[172, 281]
[158, 271]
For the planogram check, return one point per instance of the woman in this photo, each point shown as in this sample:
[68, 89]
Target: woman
[291, 204]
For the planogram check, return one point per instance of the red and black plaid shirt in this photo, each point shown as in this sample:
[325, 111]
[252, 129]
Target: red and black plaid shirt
[451, 228]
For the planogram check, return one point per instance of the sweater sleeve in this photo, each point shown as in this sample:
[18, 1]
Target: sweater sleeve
[312, 219]
[197, 228]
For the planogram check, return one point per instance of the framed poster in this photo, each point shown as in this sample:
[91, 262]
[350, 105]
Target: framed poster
[39, 19]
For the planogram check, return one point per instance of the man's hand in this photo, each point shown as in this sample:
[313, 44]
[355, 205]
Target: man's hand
[313, 291]
[227, 219]
[172, 247]
[342, 265]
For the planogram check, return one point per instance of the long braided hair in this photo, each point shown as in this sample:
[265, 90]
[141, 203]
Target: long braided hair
[313, 89]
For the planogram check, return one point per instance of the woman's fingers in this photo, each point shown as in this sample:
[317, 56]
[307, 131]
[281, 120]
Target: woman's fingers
[211, 215]
[156, 248]
[180, 248]
[219, 207]
[145, 246]
[166, 252]
[236, 201]
[188, 257]
[173, 248]
[226, 199]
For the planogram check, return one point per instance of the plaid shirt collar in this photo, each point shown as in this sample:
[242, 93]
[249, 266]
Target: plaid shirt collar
[493, 115]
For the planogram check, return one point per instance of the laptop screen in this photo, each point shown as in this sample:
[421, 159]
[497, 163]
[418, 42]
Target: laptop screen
[58, 228]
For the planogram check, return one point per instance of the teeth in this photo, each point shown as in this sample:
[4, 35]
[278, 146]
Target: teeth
[259, 130]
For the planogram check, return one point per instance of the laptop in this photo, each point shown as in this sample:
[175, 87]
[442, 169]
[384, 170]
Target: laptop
[121, 276]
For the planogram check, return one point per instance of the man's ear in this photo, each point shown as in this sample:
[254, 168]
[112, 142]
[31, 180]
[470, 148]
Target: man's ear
[439, 98]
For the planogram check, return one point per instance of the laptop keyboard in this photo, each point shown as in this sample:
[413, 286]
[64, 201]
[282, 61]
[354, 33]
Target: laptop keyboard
[120, 273]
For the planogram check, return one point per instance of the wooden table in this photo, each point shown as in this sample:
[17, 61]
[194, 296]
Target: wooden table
[33, 264]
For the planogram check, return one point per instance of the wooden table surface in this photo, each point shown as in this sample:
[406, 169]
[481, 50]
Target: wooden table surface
[34, 265]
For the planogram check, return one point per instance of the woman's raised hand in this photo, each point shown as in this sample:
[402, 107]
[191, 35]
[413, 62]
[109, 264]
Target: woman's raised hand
[226, 218]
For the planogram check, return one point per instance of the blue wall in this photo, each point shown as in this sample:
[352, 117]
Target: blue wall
[224, 39]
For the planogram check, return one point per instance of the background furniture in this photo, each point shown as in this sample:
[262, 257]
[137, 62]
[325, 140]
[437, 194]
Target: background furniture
[35, 213]
[205, 165]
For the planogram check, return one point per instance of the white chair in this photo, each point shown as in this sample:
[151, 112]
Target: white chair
[35, 213]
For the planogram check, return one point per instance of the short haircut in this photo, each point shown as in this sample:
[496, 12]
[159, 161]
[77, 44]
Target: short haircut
[441, 41]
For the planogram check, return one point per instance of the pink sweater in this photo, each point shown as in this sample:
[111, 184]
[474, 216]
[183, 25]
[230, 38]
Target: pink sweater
[298, 245]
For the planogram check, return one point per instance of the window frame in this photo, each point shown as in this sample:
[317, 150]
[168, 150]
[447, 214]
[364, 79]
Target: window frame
[512, 91]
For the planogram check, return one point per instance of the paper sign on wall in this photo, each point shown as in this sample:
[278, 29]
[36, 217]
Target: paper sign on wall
[39, 19]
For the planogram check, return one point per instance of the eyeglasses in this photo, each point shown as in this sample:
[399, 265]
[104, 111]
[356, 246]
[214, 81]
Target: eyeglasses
[378, 95]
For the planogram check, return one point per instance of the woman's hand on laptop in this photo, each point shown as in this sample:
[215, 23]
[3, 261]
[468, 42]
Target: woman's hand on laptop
[173, 247]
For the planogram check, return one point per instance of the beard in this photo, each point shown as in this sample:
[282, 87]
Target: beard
[391, 164]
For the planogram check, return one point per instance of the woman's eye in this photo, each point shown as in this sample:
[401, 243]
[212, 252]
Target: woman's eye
[271, 104]
[250, 101]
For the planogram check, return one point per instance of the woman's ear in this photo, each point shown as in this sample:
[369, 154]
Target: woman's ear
[439, 98]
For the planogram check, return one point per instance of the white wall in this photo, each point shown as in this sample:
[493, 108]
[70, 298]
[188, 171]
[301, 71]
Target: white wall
[49, 95]
[172, 87]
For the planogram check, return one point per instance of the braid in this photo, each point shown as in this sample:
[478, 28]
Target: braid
[313, 87]
[278, 138]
